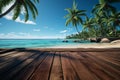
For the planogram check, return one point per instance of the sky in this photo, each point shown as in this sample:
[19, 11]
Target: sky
[50, 22]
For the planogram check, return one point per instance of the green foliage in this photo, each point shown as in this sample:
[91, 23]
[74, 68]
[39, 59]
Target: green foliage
[4, 3]
[17, 11]
[18, 6]
[105, 22]
[82, 35]
[74, 16]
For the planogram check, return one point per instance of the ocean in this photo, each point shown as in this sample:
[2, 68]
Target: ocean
[36, 43]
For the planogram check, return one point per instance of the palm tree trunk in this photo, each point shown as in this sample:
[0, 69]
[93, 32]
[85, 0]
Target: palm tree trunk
[10, 9]
[77, 30]
[101, 31]
[115, 30]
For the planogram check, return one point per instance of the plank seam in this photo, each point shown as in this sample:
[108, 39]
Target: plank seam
[36, 68]
[51, 66]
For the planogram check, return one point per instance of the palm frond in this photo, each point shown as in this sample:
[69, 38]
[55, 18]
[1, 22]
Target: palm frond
[17, 11]
[113, 9]
[26, 12]
[32, 8]
[4, 3]
[36, 1]
[69, 10]
[102, 1]
[80, 11]
[95, 9]
[80, 20]
[113, 1]
[68, 21]
[67, 16]
[74, 5]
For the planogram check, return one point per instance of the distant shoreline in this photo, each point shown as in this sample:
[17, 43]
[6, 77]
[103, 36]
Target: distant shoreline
[8, 44]
[93, 45]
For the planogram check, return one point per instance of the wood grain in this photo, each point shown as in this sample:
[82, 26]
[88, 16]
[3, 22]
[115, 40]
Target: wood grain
[56, 72]
[60, 64]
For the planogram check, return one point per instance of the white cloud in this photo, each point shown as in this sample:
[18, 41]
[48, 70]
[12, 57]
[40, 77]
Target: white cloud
[8, 16]
[23, 35]
[11, 33]
[23, 11]
[36, 30]
[22, 21]
[19, 20]
[8, 35]
[8, 6]
[64, 31]
[1, 34]
[75, 33]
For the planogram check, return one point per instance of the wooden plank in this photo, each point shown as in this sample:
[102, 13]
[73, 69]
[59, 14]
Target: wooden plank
[14, 61]
[101, 69]
[115, 56]
[1, 50]
[26, 72]
[29, 64]
[74, 49]
[80, 68]
[8, 58]
[80, 49]
[10, 73]
[68, 72]
[5, 51]
[56, 72]
[113, 60]
[9, 53]
[108, 59]
[42, 72]
[94, 67]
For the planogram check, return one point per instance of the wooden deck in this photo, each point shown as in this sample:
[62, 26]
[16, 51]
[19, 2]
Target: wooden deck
[60, 64]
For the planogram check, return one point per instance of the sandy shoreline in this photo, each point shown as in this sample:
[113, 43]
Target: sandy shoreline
[93, 45]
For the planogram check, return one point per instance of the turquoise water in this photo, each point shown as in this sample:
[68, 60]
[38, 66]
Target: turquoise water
[35, 43]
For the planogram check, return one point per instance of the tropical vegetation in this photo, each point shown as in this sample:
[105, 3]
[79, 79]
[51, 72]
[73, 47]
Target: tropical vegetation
[74, 16]
[18, 6]
[105, 21]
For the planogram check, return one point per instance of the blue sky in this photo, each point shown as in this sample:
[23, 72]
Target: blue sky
[50, 23]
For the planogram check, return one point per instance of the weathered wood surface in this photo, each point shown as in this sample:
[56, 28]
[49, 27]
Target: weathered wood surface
[60, 64]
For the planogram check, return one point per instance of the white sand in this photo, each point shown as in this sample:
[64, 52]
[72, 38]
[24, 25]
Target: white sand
[92, 45]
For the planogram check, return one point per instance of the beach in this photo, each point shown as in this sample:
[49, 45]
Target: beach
[92, 45]
[59, 40]
[63, 61]
[53, 43]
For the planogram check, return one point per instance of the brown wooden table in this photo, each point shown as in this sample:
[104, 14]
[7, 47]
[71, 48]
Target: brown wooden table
[60, 64]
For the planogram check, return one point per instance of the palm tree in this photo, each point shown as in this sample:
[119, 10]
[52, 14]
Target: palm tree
[74, 16]
[99, 24]
[104, 10]
[113, 1]
[114, 20]
[17, 7]
[89, 26]
[104, 7]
